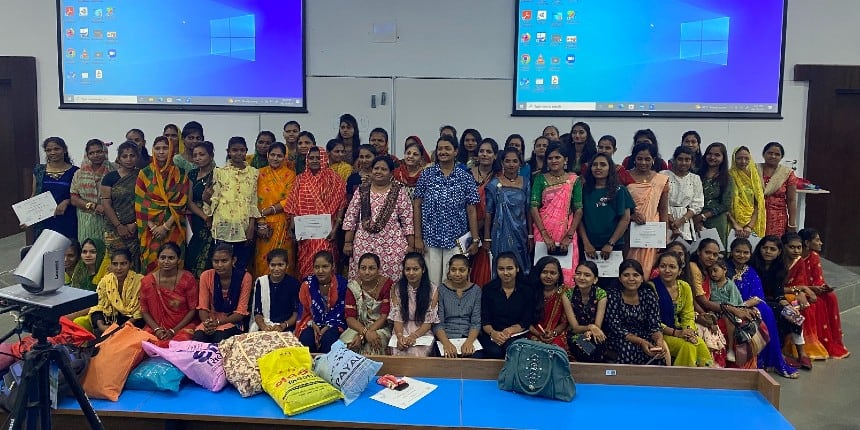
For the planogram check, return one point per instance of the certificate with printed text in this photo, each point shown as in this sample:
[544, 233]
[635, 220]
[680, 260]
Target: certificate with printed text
[35, 209]
[648, 235]
[312, 226]
[607, 268]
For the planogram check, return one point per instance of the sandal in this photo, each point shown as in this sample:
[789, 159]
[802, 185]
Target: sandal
[786, 374]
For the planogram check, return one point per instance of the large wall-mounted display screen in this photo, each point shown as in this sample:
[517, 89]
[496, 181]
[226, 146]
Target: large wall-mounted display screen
[697, 58]
[184, 55]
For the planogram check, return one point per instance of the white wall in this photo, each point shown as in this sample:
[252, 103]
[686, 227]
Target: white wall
[468, 43]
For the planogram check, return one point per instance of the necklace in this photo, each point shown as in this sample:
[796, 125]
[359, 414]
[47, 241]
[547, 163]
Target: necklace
[371, 291]
[511, 180]
[158, 280]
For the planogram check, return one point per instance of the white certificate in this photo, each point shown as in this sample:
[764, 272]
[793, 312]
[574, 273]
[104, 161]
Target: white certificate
[565, 260]
[708, 233]
[35, 209]
[312, 226]
[425, 340]
[608, 268]
[648, 235]
[407, 397]
[753, 238]
[458, 343]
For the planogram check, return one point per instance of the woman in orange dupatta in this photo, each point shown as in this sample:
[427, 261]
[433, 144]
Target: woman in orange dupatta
[160, 195]
[650, 192]
[273, 187]
[798, 283]
[556, 206]
[318, 190]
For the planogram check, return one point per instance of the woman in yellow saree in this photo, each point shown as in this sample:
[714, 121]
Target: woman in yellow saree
[273, 186]
[160, 195]
[747, 214]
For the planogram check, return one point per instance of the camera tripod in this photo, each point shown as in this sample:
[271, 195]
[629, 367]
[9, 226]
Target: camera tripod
[32, 403]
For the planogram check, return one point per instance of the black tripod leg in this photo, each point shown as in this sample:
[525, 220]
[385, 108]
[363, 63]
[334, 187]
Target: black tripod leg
[65, 365]
[44, 408]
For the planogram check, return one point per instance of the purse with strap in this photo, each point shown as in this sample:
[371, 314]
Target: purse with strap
[537, 369]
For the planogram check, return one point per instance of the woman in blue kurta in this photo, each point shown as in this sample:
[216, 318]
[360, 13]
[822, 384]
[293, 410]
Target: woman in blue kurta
[55, 176]
[507, 209]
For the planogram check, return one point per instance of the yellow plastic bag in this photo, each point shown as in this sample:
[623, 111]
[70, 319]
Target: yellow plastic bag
[290, 381]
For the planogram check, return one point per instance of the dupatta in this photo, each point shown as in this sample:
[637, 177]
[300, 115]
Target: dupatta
[780, 175]
[81, 276]
[748, 194]
[320, 193]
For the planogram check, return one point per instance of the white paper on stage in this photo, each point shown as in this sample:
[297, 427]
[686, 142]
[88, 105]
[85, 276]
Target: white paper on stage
[753, 238]
[708, 233]
[608, 268]
[312, 226]
[458, 343]
[565, 260]
[35, 209]
[648, 235]
[425, 340]
[406, 397]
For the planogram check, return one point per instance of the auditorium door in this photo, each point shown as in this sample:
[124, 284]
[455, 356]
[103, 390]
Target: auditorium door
[833, 156]
[19, 136]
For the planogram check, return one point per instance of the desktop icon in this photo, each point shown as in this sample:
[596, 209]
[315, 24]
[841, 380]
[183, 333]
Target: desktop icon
[70, 33]
[98, 13]
[555, 60]
[540, 61]
[524, 82]
[109, 11]
[98, 54]
[84, 32]
[70, 11]
[85, 75]
[540, 37]
[539, 81]
[111, 35]
[525, 58]
[527, 15]
[541, 15]
[571, 14]
[570, 40]
[111, 53]
[98, 34]
[570, 58]
[85, 55]
[71, 75]
[557, 16]
[526, 37]
[70, 52]
[553, 80]
[83, 11]
[556, 38]
[98, 73]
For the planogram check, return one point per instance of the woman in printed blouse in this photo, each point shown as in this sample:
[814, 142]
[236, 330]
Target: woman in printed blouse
[717, 188]
[233, 202]
[633, 319]
[323, 299]
[585, 309]
[414, 308]
[85, 190]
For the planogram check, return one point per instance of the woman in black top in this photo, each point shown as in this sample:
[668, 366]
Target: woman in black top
[507, 307]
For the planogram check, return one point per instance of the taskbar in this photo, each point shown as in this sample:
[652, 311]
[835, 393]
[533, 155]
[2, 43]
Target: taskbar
[649, 107]
[182, 100]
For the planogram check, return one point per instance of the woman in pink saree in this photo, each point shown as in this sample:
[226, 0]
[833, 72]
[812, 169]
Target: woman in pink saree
[556, 207]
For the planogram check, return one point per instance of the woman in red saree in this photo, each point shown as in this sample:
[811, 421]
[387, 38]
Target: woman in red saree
[829, 323]
[556, 206]
[551, 325]
[168, 298]
[483, 172]
[160, 195]
[318, 190]
[798, 284]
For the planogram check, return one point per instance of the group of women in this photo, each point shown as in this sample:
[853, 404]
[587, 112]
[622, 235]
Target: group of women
[414, 236]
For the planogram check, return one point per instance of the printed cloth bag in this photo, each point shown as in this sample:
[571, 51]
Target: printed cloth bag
[242, 352]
